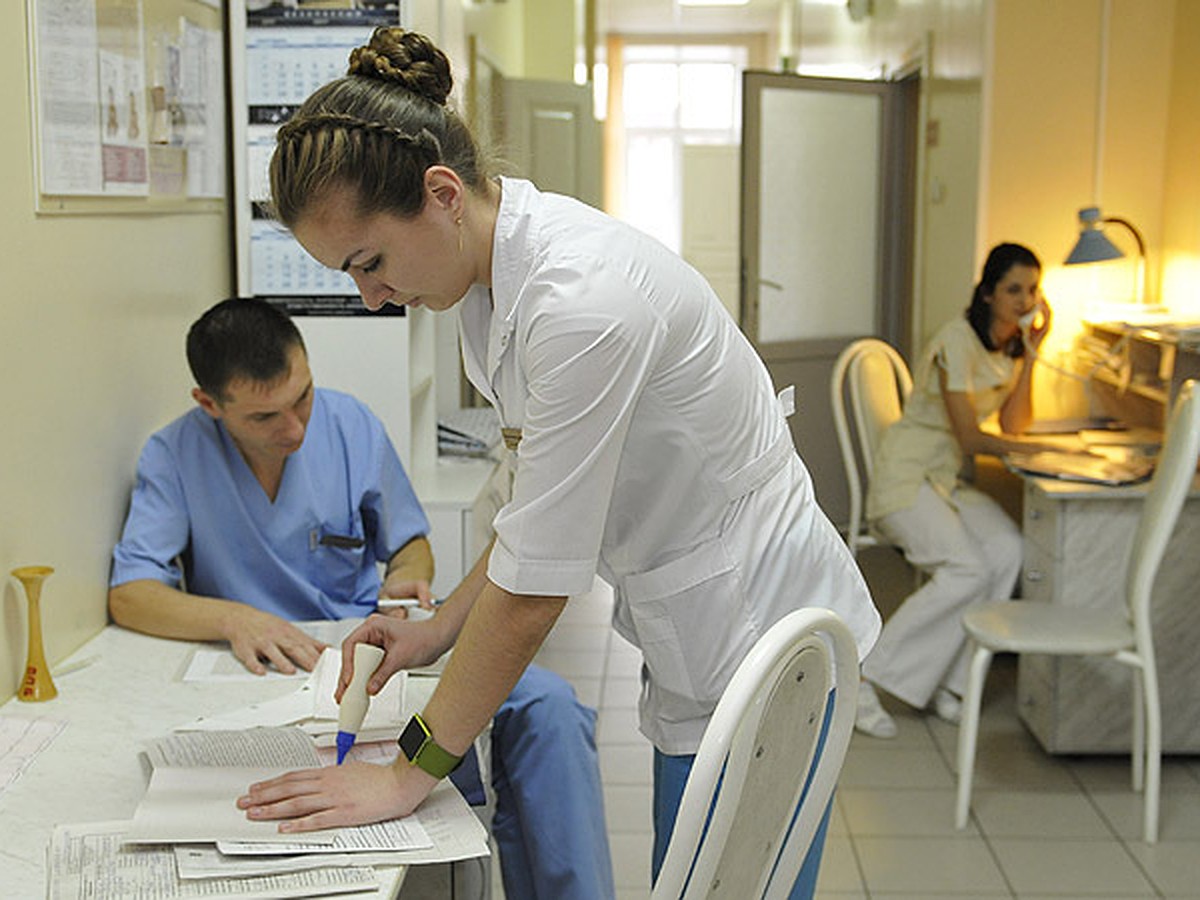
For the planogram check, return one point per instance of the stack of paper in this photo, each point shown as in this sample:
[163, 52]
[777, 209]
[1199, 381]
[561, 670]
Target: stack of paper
[474, 431]
[312, 708]
[188, 838]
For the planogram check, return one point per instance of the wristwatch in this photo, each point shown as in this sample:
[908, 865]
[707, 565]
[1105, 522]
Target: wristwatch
[421, 750]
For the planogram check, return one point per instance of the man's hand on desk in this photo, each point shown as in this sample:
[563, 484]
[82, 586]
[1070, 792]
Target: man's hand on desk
[258, 637]
[356, 793]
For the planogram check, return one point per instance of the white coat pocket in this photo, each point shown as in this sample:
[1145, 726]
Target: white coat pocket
[690, 619]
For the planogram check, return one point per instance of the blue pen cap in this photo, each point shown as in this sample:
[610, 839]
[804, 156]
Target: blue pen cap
[345, 740]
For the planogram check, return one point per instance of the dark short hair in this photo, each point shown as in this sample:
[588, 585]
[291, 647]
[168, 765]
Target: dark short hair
[1001, 258]
[240, 338]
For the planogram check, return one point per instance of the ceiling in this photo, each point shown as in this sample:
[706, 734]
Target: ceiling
[823, 28]
[756, 15]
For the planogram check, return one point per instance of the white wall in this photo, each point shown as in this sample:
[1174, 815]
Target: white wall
[948, 36]
[93, 312]
[1054, 89]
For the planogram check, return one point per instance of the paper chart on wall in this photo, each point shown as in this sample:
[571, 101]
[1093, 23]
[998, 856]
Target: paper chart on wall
[68, 114]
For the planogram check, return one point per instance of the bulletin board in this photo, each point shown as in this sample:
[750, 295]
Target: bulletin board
[128, 106]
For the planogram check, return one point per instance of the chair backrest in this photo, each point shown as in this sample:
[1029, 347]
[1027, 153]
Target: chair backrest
[757, 759]
[871, 378]
[1173, 476]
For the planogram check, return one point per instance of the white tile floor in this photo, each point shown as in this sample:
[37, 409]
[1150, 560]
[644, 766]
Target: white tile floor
[1041, 827]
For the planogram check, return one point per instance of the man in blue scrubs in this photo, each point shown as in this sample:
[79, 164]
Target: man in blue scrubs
[274, 502]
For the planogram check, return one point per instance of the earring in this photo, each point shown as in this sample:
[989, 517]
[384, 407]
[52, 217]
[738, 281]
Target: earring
[458, 222]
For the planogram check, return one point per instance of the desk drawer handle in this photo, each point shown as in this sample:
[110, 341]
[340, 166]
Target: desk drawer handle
[1035, 514]
[1033, 575]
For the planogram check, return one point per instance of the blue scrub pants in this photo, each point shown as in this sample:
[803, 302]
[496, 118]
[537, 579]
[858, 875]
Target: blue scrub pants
[549, 816]
[670, 776]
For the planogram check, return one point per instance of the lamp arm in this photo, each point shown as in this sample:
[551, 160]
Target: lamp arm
[1141, 275]
[1137, 235]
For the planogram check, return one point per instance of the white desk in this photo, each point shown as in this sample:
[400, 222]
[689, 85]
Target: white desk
[92, 771]
[1077, 540]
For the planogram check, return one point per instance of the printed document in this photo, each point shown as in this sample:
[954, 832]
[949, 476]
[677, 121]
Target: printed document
[90, 861]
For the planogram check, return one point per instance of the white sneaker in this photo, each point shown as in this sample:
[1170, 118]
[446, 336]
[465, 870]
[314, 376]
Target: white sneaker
[871, 718]
[947, 706]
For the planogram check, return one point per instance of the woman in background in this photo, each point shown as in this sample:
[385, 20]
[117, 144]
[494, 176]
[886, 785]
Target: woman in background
[650, 447]
[969, 548]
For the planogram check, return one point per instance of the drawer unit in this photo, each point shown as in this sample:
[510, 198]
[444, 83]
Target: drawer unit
[1040, 519]
[1076, 555]
[1038, 574]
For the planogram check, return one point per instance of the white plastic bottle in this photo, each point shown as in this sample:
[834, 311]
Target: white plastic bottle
[353, 708]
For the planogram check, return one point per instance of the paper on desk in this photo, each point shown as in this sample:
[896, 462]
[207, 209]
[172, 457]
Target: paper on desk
[312, 705]
[90, 861]
[21, 740]
[394, 834]
[212, 664]
[267, 747]
[1137, 437]
[220, 665]
[199, 804]
[191, 798]
[206, 861]
[451, 828]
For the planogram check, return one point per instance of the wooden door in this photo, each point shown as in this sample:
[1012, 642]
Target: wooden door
[826, 238]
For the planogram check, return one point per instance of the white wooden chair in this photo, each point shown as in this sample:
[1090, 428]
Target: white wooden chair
[751, 840]
[872, 379]
[1123, 634]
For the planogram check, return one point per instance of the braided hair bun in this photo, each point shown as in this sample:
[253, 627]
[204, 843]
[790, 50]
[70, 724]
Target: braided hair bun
[405, 58]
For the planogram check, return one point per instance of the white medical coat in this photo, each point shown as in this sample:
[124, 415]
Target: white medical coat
[653, 451]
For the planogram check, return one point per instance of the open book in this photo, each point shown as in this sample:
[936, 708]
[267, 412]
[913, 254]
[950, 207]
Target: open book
[171, 847]
[198, 777]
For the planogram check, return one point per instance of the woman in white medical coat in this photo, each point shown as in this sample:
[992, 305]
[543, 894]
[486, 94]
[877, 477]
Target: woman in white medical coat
[649, 444]
[977, 365]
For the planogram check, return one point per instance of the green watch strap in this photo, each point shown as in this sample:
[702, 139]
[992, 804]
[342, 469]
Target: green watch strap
[421, 750]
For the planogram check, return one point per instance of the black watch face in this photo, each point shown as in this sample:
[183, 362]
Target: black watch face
[411, 739]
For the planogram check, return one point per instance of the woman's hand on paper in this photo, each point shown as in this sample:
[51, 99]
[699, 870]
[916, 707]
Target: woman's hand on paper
[406, 645]
[356, 793]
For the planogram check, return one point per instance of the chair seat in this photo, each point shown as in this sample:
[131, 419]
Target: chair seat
[1032, 627]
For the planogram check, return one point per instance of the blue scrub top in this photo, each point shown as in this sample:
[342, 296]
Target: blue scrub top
[196, 499]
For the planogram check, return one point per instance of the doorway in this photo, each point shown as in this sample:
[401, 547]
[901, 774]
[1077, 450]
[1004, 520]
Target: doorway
[827, 237]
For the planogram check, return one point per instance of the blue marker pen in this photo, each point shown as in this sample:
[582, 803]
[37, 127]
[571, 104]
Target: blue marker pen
[353, 708]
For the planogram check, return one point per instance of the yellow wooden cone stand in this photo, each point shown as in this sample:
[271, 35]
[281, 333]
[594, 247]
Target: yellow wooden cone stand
[37, 683]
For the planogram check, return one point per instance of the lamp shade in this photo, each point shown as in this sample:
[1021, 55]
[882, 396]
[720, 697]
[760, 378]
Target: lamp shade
[1093, 245]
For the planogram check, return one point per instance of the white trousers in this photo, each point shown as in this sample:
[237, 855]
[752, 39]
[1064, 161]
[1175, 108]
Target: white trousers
[971, 551]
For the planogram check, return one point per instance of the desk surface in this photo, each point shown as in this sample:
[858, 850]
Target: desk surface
[91, 772]
[1060, 489]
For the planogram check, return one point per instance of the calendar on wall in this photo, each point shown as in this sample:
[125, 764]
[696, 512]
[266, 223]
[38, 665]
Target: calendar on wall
[280, 54]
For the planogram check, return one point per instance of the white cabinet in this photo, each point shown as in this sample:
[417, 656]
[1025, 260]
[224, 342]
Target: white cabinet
[461, 498]
[1077, 540]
